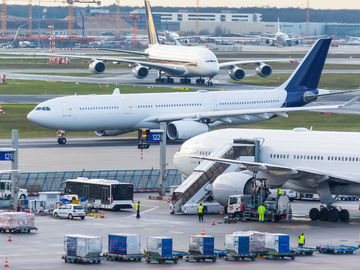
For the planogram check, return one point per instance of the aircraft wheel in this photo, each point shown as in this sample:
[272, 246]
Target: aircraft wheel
[333, 215]
[314, 214]
[62, 140]
[344, 215]
[324, 214]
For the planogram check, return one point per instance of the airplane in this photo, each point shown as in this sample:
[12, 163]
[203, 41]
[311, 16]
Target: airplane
[320, 162]
[173, 61]
[186, 114]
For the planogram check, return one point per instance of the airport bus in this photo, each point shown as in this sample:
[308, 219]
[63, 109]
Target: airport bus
[107, 194]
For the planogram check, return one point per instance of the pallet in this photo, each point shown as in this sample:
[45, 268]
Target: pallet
[117, 257]
[80, 260]
[199, 257]
[302, 251]
[18, 230]
[341, 249]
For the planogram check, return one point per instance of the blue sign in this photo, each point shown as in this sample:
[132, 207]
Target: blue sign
[6, 156]
[154, 136]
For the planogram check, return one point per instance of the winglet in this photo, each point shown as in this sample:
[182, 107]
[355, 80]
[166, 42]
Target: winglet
[350, 102]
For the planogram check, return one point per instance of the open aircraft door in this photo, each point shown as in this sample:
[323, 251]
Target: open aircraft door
[66, 109]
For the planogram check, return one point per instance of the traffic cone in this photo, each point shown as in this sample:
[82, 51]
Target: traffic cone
[213, 222]
[9, 240]
[221, 212]
[102, 214]
[202, 231]
[168, 200]
[6, 262]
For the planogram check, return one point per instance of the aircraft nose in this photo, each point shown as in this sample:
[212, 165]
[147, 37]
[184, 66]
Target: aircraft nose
[30, 116]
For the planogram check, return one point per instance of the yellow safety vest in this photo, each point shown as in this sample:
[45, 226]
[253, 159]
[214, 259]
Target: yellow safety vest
[137, 206]
[301, 239]
[280, 191]
[261, 209]
[200, 209]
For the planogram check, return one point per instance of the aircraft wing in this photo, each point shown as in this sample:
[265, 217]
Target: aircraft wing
[126, 51]
[293, 173]
[256, 62]
[261, 113]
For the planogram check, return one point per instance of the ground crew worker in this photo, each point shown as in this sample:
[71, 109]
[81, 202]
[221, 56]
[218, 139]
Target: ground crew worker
[138, 210]
[301, 240]
[279, 192]
[201, 212]
[261, 213]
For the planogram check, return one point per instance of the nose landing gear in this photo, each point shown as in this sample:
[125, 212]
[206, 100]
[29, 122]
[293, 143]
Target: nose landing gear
[209, 82]
[60, 134]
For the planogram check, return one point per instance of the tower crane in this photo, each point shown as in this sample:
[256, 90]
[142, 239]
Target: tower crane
[71, 12]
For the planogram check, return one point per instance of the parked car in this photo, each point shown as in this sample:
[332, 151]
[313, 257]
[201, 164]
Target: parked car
[70, 211]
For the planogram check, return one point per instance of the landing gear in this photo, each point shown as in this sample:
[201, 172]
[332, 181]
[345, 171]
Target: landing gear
[160, 79]
[170, 80]
[329, 213]
[62, 140]
[60, 133]
[185, 81]
[209, 82]
[200, 81]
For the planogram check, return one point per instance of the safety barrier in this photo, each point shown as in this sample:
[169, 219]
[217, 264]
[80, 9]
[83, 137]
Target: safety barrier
[142, 180]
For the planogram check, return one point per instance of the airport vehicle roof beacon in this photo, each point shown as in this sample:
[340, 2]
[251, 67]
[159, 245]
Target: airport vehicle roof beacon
[326, 163]
[186, 114]
[175, 61]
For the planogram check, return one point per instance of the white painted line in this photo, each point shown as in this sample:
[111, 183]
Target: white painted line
[151, 209]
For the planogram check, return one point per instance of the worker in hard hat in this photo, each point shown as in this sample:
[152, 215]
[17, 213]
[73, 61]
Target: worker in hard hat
[261, 213]
[201, 212]
[301, 241]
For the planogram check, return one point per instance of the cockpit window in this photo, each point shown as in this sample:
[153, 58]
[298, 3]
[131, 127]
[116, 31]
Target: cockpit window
[42, 109]
[38, 108]
[210, 61]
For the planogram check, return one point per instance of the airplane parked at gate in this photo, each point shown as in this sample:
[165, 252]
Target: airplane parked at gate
[175, 61]
[186, 114]
[326, 163]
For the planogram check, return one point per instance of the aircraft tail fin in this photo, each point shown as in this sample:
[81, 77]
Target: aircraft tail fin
[151, 30]
[279, 29]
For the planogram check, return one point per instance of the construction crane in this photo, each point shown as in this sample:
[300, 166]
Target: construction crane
[30, 18]
[133, 17]
[118, 18]
[197, 18]
[71, 12]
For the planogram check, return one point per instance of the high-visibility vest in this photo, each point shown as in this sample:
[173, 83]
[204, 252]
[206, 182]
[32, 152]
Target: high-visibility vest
[280, 191]
[138, 207]
[200, 209]
[261, 209]
[301, 239]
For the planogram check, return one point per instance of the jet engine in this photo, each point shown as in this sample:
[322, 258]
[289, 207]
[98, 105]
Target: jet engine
[108, 132]
[263, 70]
[183, 130]
[309, 97]
[140, 71]
[297, 42]
[267, 41]
[234, 183]
[237, 74]
[97, 67]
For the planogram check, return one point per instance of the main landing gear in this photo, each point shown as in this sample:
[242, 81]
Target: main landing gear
[160, 79]
[61, 139]
[200, 81]
[329, 213]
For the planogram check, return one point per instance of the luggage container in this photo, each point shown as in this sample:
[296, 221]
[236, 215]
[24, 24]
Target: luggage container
[278, 246]
[160, 249]
[256, 241]
[238, 247]
[17, 222]
[201, 248]
[124, 247]
[82, 249]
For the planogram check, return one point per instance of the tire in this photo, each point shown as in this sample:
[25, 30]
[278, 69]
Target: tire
[62, 140]
[175, 261]
[314, 214]
[22, 197]
[252, 259]
[71, 216]
[82, 217]
[237, 215]
[56, 215]
[214, 259]
[344, 215]
[333, 215]
[324, 214]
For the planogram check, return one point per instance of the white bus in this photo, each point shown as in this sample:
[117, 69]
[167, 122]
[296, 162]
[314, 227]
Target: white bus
[113, 194]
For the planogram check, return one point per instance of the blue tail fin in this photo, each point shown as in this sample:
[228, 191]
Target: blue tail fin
[306, 77]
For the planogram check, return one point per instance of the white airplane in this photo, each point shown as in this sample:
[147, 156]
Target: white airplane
[320, 162]
[186, 114]
[174, 61]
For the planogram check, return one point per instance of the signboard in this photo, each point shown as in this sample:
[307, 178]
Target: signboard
[6, 156]
[154, 136]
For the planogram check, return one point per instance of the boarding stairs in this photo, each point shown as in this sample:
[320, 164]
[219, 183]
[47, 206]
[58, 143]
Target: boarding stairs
[197, 188]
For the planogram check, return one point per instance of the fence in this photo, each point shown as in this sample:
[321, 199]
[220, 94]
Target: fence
[142, 180]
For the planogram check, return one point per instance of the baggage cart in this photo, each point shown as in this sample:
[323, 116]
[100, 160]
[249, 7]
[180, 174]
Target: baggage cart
[340, 249]
[160, 259]
[129, 257]
[278, 256]
[82, 260]
[199, 257]
[18, 230]
[302, 251]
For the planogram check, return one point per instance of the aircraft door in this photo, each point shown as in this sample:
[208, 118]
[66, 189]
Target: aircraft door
[66, 109]
[127, 107]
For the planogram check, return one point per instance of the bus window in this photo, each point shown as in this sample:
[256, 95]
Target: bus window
[122, 192]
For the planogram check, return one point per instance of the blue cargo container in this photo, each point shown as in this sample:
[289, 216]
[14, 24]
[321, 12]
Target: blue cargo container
[160, 246]
[124, 244]
[202, 244]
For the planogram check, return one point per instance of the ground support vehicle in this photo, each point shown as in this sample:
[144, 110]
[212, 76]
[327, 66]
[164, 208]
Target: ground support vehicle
[5, 191]
[78, 259]
[340, 249]
[130, 257]
[302, 251]
[199, 257]
[18, 230]
[160, 259]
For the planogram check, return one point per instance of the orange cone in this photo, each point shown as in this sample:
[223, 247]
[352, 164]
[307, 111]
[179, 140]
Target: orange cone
[213, 222]
[102, 214]
[168, 200]
[6, 262]
[9, 240]
[202, 231]
[221, 212]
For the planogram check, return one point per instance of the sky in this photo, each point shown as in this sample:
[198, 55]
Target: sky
[314, 4]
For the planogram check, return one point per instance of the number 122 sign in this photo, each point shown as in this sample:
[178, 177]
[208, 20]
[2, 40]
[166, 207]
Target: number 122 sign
[6, 156]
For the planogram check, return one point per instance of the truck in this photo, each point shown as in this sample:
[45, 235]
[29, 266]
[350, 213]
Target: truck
[5, 191]
[244, 207]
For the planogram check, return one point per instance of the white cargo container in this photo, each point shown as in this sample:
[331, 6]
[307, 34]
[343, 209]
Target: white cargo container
[159, 246]
[237, 244]
[257, 239]
[201, 244]
[82, 245]
[277, 243]
[124, 244]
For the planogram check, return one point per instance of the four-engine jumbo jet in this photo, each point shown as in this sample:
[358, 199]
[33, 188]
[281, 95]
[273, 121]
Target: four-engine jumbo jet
[186, 114]
[326, 163]
[175, 61]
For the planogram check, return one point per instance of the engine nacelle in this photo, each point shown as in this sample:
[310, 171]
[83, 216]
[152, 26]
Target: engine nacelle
[140, 71]
[183, 130]
[263, 70]
[297, 42]
[233, 183]
[237, 74]
[97, 67]
[309, 96]
[108, 132]
[267, 41]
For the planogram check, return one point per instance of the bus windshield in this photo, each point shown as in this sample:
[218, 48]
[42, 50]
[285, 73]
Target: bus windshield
[122, 192]
[2, 185]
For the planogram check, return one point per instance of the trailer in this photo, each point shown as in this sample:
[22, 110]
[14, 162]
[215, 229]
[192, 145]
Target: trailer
[18, 230]
[302, 251]
[81, 260]
[199, 257]
[278, 256]
[237, 257]
[336, 249]
[160, 259]
[127, 258]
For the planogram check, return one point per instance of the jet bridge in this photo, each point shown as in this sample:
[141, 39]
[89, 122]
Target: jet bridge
[197, 188]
